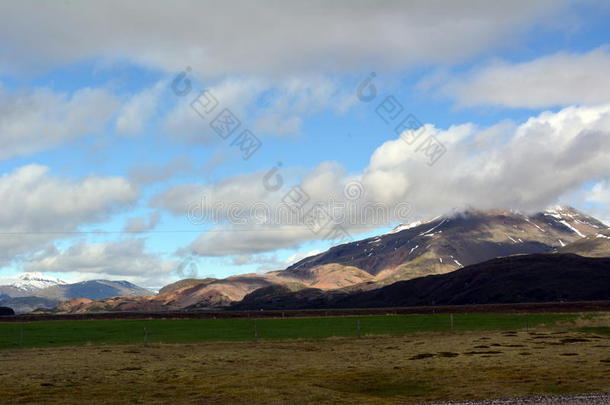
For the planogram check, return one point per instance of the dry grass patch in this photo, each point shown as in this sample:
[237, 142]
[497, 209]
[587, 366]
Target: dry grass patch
[370, 370]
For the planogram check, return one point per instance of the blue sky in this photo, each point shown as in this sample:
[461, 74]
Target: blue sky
[101, 160]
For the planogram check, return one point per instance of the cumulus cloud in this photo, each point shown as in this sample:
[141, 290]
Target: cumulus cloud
[31, 121]
[541, 160]
[139, 109]
[290, 101]
[149, 173]
[527, 167]
[250, 214]
[271, 262]
[265, 106]
[142, 224]
[241, 260]
[599, 195]
[560, 79]
[39, 207]
[123, 259]
[269, 37]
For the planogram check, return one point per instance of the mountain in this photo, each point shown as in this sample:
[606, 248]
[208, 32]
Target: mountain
[436, 246]
[445, 244]
[187, 282]
[6, 311]
[30, 291]
[520, 278]
[597, 245]
[27, 283]
[92, 289]
[23, 305]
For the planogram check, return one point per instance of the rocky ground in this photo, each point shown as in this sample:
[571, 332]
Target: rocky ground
[585, 399]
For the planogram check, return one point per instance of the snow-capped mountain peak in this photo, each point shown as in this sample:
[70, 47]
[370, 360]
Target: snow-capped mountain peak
[410, 225]
[35, 281]
[572, 219]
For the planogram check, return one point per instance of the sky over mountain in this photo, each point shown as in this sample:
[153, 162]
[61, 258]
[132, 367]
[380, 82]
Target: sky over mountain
[157, 141]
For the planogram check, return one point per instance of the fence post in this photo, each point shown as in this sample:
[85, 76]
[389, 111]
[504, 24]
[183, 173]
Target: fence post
[21, 337]
[145, 336]
[255, 331]
[358, 332]
[451, 318]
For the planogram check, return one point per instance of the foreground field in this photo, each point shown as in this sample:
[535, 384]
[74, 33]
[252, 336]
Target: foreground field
[431, 366]
[73, 333]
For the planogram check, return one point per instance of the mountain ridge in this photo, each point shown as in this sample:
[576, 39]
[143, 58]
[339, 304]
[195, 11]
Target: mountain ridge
[24, 296]
[437, 246]
[512, 279]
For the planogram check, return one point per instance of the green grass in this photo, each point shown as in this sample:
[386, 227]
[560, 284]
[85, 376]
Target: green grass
[73, 333]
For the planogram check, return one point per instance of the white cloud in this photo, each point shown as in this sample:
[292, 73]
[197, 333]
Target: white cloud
[292, 100]
[148, 173]
[123, 259]
[277, 107]
[270, 262]
[560, 79]
[541, 160]
[40, 119]
[39, 207]
[139, 109]
[234, 94]
[300, 256]
[527, 167]
[142, 224]
[267, 37]
[251, 239]
[600, 193]
[214, 202]
[265, 260]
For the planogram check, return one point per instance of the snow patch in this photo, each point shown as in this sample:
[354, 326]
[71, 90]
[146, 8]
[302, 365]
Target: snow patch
[430, 230]
[554, 215]
[34, 281]
[410, 225]
[542, 230]
[404, 227]
[573, 229]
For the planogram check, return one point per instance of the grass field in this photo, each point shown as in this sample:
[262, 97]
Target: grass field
[74, 333]
[396, 360]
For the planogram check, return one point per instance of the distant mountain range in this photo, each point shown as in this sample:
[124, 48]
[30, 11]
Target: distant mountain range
[29, 291]
[437, 246]
[26, 283]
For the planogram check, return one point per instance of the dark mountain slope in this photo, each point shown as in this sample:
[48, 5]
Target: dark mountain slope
[521, 278]
[23, 305]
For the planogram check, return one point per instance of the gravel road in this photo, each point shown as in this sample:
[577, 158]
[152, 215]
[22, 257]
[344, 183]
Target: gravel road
[583, 399]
